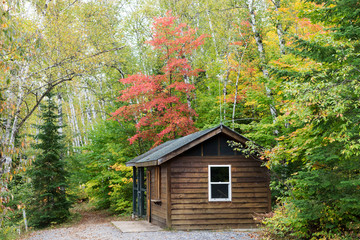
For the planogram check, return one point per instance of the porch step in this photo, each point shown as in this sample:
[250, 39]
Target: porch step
[135, 226]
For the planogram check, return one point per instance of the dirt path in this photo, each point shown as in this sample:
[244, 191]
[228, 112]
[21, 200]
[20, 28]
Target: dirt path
[98, 226]
[92, 225]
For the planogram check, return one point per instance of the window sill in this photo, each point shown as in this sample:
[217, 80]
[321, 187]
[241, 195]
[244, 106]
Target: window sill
[156, 201]
[218, 200]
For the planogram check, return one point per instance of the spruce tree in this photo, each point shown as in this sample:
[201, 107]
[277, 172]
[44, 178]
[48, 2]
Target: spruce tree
[50, 203]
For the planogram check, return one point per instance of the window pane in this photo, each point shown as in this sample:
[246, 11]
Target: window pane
[219, 174]
[219, 191]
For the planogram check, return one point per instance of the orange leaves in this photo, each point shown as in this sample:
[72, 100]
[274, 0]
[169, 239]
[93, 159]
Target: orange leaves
[281, 64]
[311, 29]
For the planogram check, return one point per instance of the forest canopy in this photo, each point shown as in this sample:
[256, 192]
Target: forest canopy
[126, 76]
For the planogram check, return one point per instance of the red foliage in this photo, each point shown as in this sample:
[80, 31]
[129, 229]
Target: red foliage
[174, 40]
[158, 102]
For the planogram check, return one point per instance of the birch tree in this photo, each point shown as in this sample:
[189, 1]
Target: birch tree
[61, 48]
[261, 50]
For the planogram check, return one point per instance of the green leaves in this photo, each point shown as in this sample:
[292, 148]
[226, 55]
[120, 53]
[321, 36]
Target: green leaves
[99, 167]
[323, 136]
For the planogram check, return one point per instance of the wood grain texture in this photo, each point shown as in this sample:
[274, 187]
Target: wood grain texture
[168, 195]
[158, 210]
[190, 207]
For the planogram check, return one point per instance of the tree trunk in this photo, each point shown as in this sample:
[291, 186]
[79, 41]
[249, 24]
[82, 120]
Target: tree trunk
[260, 47]
[279, 28]
[74, 142]
[89, 109]
[212, 33]
[226, 80]
[188, 98]
[75, 123]
[237, 81]
[83, 138]
[60, 112]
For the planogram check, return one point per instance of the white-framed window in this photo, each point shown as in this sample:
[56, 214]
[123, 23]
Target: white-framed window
[219, 182]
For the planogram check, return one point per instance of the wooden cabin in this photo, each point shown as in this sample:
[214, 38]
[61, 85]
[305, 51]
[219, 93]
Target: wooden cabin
[200, 182]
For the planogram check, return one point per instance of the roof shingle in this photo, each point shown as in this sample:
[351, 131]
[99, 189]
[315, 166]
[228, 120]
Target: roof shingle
[172, 145]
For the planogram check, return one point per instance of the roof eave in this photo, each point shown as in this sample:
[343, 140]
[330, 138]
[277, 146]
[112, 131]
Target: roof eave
[215, 131]
[144, 164]
[188, 146]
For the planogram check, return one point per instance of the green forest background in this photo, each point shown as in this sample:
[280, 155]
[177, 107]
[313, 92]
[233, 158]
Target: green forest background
[284, 73]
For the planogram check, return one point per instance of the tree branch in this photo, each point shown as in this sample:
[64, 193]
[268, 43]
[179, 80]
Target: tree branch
[50, 87]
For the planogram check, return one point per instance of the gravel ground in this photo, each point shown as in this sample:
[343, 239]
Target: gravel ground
[96, 225]
[109, 232]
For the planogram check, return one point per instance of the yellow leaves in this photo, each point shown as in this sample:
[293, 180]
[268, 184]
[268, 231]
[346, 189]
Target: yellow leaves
[252, 102]
[283, 9]
[126, 180]
[281, 64]
[280, 138]
[329, 139]
[121, 167]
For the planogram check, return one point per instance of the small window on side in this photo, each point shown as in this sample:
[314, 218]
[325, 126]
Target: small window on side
[157, 182]
[219, 182]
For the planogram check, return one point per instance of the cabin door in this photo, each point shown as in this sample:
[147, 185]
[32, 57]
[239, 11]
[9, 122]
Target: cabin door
[148, 195]
[139, 192]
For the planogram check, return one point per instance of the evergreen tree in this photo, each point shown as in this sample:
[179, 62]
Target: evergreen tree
[50, 203]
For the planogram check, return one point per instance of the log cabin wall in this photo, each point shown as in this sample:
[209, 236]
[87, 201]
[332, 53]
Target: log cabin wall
[158, 195]
[190, 205]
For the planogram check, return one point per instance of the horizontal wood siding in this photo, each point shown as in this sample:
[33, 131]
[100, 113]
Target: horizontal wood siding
[158, 210]
[190, 207]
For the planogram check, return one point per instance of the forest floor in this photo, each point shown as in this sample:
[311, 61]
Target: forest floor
[96, 225]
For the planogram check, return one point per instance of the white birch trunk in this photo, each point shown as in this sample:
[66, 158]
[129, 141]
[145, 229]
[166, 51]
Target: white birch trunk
[81, 110]
[11, 131]
[14, 129]
[7, 130]
[82, 113]
[25, 220]
[237, 83]
[74, 142]
[75, 123]
[93, 111]
[188, 99]
[279, 28]
[102, 109]
[38, 122]
[235, 97]
[212, 32]
[260, 47]
[60, 112]
[226, 80]
[89, 109]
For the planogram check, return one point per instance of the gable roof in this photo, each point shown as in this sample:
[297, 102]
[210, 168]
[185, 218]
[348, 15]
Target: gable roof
[172, 148]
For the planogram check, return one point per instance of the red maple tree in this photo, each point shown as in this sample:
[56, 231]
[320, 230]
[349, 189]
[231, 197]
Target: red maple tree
[160, 104]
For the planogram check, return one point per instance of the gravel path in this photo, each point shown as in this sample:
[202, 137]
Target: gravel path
[96, 226]
[109, 232]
